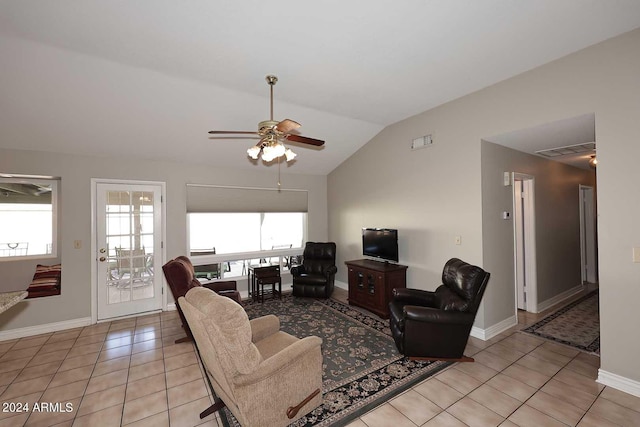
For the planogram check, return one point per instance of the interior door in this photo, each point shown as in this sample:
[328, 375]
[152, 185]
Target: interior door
[524, 220]
[588, 235]
[129, 254]
[518, 218]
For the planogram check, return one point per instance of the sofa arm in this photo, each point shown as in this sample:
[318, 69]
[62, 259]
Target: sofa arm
[434, 315]
[416, 297]
[264, 326]
[226, 285]
[280, 363]
[297, 270]
[283, 381]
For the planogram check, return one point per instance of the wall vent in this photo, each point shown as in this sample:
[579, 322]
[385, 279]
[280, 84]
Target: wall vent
[421, 142]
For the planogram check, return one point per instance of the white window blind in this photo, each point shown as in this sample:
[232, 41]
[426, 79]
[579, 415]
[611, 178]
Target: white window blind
[209, 198]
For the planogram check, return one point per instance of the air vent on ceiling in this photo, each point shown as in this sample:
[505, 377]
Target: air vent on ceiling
[569, 149]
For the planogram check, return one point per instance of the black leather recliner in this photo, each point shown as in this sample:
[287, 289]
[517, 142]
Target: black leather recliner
[436, 325]
[316, 276]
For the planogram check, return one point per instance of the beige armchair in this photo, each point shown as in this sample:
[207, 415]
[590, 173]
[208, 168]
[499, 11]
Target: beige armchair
[265, 377]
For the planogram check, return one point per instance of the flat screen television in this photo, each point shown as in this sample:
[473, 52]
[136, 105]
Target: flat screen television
[380, 243]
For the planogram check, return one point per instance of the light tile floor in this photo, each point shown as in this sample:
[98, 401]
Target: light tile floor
[130, 372]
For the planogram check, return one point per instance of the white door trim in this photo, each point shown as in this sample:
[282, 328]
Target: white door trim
[94, 244]
[531, 277]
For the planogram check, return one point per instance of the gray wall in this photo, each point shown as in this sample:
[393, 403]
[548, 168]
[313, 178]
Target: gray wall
[433, 194]
[75, 212]
[557, 212]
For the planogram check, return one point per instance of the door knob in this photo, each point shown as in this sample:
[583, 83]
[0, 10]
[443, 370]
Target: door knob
[102, 259]
[102, 250]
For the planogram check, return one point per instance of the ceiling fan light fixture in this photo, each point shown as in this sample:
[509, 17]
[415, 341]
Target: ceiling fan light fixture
[267, 153]
[253, 152]
[270, 149]
[290, 155]
[278, 150]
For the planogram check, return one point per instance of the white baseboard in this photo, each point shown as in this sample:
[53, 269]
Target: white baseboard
[619, 382]
[341, 285]
[492, 331]
[558, 298]
[44, 329]
[171, 306]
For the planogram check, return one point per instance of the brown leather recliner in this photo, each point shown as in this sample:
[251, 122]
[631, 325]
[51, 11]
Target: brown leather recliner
[436, 325]
[180, 276]
[316, 276]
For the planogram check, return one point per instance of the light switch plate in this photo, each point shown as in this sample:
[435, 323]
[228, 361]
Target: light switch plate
[636, 254]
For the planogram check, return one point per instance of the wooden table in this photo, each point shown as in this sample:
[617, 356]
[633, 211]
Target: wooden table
[261, 274]
[9, 299]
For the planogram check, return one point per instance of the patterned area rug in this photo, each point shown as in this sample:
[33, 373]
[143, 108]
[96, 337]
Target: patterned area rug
[362, 366]
[576, 325]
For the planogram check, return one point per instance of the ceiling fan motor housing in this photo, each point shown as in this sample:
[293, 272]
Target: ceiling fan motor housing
[266, 125]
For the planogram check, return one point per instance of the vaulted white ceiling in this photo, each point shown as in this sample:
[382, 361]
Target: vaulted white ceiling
[150, 77]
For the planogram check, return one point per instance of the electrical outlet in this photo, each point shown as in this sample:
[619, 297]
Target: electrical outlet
[458, 240]
[77, 244]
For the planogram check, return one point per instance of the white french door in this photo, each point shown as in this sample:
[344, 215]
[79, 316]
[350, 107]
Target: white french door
[128, 219]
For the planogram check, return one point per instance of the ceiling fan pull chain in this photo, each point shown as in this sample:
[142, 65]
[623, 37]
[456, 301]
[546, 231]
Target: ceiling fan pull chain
[279, 174]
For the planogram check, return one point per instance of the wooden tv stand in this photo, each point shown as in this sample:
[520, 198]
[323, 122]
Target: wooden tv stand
[371, 282]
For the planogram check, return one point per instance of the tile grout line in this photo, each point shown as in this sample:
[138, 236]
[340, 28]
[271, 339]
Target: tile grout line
[58, 370]
[566, 364]
[539, 389]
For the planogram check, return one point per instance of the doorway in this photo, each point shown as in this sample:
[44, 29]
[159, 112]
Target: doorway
[524, 242]
[588, 253]
[128, 247]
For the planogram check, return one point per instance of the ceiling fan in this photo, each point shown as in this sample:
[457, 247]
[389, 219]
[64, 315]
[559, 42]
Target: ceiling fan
[271, 133]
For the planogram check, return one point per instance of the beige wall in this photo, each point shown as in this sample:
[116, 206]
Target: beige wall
[433, 194]
[557, 215]
[75, 210]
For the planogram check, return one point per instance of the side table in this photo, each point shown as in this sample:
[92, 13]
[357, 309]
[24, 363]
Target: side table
[261, 275]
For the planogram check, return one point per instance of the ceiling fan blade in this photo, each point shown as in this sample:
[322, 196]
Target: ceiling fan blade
[305, 140]
[227, 132]
[241, 137]
[287, 125]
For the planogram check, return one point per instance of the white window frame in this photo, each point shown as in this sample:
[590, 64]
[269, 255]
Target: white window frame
[54, 182]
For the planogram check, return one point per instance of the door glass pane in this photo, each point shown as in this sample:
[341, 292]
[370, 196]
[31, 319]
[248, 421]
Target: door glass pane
[129, 235]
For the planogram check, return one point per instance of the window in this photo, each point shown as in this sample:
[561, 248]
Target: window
[230, 228]
[245, 232]
[273, 237]
[28, 217]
